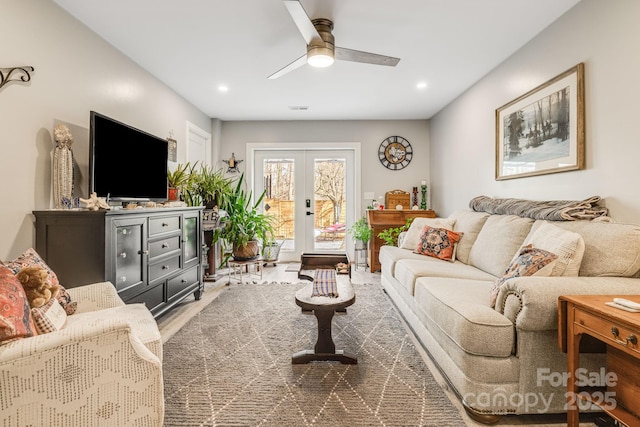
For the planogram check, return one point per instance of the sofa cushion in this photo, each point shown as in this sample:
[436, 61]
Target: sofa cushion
[390, 255]
[412, 236]
[530, 261]
[438, 243]
[498, 242]
[460, 309]
[49, 317]
[611, 249]
[407, 271]
[15, 314]
[567, 245]
[469, 223]
[31, 258]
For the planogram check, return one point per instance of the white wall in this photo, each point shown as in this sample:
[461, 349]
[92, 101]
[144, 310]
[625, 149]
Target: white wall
[374, 176]
[605, 36]
[75, 72]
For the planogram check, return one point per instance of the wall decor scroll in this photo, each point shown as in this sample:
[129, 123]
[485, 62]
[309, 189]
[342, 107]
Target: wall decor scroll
[15, 74]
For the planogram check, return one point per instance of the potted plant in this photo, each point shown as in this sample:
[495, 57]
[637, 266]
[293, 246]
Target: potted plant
[361, 233]
[214, 187]
[390, 235]
[176, 179]
[245, 226]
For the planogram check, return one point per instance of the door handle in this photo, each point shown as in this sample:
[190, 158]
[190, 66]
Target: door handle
[309, 213]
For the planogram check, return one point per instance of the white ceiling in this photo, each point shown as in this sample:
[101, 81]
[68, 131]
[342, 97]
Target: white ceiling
[194, 46]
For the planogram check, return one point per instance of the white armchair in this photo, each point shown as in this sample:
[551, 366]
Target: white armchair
[103, 368]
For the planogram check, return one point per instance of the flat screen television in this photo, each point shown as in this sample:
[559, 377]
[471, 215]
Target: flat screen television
[125, 163]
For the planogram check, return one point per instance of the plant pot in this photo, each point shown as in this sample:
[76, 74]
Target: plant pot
[360, 245]
[270, 252]
[246, 253]
[173, 194]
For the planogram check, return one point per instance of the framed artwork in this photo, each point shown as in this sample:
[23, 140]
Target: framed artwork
[173, 149]
[542, 131]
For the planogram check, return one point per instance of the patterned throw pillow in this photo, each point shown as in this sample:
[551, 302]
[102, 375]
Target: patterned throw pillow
[529, 262]
[50, 317]
[30, 258]
[438, 243]
[15, 315]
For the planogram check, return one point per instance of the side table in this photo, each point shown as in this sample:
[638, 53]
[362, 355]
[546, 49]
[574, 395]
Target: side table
[252, 267]
[580, 315]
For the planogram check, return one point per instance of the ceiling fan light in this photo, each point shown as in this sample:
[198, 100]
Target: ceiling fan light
[319, 56]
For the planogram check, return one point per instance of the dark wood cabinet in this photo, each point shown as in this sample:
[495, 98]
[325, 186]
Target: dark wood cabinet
[380, 220]
[150, 255]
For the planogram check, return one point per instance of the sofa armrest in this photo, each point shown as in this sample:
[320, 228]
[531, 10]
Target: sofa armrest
[531, 302]
[96, 296]
[74, 372]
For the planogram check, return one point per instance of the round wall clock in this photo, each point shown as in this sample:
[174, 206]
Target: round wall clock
[395, 153]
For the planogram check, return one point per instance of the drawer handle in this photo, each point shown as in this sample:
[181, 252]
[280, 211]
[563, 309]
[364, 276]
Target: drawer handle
[144, 252]
[165, 267]
[165, 245]
[616, 337]
[123, 255]
[164, 224]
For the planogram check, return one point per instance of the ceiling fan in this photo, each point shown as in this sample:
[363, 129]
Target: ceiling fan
[321, 50]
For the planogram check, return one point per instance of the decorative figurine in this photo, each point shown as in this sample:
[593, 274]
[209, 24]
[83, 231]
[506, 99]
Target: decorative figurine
[62, 166]
[232, 163]
[95, 203]
[423, 189]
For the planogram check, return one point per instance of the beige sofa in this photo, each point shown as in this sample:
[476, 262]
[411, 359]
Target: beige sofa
[103, 368]
[505, 360]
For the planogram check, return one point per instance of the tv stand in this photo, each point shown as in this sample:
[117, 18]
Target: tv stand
[151, 255]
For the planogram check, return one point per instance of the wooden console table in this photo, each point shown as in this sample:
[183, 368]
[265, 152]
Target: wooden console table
[581, 315]
[380, 220]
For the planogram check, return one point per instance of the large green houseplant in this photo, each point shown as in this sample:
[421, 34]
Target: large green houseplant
[214, 187]
[201, 184]
[361, 233]
[245, 226]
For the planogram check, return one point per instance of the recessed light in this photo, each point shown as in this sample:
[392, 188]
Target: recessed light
[223, 88]
[298, 107]
[421, 85]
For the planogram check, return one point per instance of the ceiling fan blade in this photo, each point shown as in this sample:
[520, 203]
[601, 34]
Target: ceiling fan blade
[302, 21]
[344, 54]
[295, 64]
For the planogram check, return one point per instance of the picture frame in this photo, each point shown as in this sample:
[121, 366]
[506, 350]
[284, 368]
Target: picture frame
[173, 149]
[542, 131]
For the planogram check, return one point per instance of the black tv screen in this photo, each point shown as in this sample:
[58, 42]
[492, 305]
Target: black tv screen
[125, 163]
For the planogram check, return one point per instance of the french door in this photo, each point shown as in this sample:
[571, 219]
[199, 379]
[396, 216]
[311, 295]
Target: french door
[311, 195]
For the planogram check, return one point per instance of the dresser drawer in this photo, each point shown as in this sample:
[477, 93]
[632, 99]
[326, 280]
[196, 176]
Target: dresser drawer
[165, 224]
[181, 281]
[164, 246]
[609, 332]
[164, 268]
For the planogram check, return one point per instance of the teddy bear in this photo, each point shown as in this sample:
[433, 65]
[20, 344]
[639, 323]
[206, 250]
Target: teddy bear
[37, 286]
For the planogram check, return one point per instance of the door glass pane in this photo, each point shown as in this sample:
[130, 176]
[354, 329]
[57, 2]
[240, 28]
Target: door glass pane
[329, 189]
[279, 185]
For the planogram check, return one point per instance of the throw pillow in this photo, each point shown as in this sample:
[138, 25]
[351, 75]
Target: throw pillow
[438, 243]
[567, 245]
[50, 317]
[530, 261]
[30, 258]
[15, 315]
[414, 232]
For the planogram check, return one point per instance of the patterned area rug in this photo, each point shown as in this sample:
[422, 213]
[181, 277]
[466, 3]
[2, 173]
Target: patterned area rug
[231, 365]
